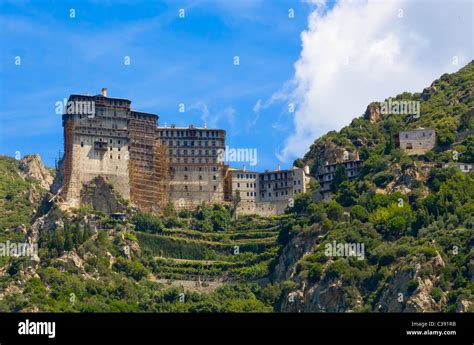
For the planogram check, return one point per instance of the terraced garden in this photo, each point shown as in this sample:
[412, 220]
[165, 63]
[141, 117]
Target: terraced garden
[243, 252]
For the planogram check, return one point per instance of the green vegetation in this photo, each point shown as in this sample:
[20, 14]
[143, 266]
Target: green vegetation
[414, 217]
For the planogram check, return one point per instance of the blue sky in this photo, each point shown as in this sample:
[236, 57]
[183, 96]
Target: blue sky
[329, 61]
[173, 60]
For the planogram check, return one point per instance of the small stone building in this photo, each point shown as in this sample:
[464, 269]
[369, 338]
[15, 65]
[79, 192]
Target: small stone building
[416, 142]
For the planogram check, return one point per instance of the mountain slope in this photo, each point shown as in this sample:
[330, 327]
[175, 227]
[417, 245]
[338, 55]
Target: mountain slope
[414, 217]
[410, 218]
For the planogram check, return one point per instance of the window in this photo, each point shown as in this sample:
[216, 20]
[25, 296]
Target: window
[82, 144]
[214, 177]
[215, 188]
[185, 177]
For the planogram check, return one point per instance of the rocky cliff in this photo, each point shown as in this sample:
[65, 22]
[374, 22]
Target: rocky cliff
[32, 167]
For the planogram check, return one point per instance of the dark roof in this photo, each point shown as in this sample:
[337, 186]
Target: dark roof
[89, 96]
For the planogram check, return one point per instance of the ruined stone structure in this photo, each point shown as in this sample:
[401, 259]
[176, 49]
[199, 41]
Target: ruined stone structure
[416, 142]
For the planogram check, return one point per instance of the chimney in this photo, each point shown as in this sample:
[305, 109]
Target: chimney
[356, 156]
[306, 170]
[104, 91]
[278, 169]
[243, 168]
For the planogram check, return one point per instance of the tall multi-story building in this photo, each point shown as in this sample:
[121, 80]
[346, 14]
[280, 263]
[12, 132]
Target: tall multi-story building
[196, 168]
[326, 175]
[151, 165]
[104, 137]
[244, 187]
[267, 193]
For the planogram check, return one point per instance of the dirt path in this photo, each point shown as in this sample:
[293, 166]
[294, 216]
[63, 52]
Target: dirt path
[191, 285]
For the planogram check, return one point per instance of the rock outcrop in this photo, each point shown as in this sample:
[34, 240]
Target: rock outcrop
[101, 196]
[32, 167]
[372, 113]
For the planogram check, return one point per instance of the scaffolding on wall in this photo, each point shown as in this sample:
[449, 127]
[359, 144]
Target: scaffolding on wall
[148, 165]
[67, 164]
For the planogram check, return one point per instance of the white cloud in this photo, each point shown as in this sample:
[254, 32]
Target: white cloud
[216, 118]
[363, 51]
[257, 106]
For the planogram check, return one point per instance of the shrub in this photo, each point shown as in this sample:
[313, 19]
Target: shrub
[335, 211]
[301, 203]
[359, 212]
[436, 293]
[382, 178]
[339, 177]
[271, 293]
[445, 137]
[412, 286]
[147, 223]
[134, 269]
[315, 271]
[317, 212]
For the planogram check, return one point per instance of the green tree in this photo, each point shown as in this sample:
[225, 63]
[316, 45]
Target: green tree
[301, 203]
[335, 211]
[147, 223]
[317, 212]
[390, 144]
[445, 137]
[347, 195]
[169, 210]
[339, 176]
[68, 243]
[360, 213]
